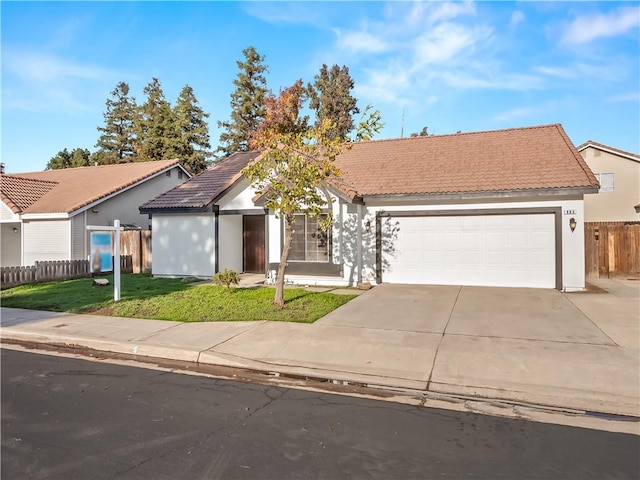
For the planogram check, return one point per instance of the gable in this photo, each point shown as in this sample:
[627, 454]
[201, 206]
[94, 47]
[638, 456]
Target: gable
[72, 189]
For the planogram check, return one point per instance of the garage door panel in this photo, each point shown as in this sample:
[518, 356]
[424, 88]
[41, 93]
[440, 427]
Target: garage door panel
[493, 250]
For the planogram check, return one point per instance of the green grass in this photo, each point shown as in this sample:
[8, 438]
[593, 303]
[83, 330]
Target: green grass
[143, 296]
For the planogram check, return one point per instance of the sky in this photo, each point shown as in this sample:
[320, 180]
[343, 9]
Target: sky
[449, 66]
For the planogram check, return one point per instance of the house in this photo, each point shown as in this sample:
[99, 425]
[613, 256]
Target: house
[496, 208]
[619, 175]
[43, 215]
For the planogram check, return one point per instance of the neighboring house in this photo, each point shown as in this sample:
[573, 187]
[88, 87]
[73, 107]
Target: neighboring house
[43, 215]
[498, 208]
[619, 176]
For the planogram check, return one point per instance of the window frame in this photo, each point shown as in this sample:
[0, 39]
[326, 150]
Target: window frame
[329, 236]
[608, 188]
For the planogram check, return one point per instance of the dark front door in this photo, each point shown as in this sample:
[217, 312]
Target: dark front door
[253, 243]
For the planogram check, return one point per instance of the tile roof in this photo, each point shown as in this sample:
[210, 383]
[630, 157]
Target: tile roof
[518, 159]
[206, 187]
[67, 190]
[602, 146]
[20, 193]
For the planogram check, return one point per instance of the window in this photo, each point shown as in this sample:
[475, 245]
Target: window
[179, 174]
[607, 181]
[168, 173]
[309, 243]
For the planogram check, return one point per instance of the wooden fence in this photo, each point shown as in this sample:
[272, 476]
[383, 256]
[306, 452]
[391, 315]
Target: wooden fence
[137, 244]
[612, 249]
[52, 271]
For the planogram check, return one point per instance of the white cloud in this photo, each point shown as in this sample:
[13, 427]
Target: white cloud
[360, 42]
[586, 28]
[517, 18]
[446, 41]
[450, 10]
[42, 68]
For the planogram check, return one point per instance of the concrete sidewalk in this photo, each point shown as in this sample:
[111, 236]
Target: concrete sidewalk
[519, 345]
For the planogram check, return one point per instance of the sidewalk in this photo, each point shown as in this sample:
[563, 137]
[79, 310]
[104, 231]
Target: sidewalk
[589, 367]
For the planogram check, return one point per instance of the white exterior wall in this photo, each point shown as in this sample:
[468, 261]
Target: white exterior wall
[230, 242]
[6, 214]
[10, 241]
[46, 240]
[238, 198]
[183, 245]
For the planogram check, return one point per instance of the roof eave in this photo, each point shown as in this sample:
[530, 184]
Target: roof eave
[555, 192]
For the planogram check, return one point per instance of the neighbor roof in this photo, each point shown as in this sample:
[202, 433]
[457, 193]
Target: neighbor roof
[20, 193]
[205, 188]
[70, 189]
[519, 159]
[607, 148]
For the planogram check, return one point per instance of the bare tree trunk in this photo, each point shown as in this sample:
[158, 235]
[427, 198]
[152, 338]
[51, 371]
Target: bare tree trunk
[288, 236]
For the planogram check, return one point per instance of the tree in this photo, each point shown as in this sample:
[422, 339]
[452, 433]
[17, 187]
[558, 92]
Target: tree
[153, 125]
[296, 161]
[117, 139]
[192, 132]
[330, 97]
[423, 133]
[79, 157]
[247, 104]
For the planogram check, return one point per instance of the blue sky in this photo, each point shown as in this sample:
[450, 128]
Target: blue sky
[447, 65]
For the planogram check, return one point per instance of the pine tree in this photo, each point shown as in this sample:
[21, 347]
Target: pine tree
[330, 97]
[153, 125]
[79, 157]
[192, 132]
[116, 144]
[247, 104]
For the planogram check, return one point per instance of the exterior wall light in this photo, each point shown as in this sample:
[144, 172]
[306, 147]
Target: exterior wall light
[573, 224]
[15, 229]
[367, 226]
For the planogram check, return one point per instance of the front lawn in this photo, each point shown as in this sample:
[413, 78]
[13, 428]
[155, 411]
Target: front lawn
[143, 296]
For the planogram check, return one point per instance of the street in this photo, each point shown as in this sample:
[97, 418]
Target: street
[77, 419]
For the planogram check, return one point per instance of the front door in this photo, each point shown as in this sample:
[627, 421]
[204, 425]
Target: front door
[253, 243]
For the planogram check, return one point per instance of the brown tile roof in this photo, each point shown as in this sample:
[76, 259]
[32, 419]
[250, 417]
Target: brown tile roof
[206, 187]
[518, 159]
[602, 146]
[20, 193]
[74, 188]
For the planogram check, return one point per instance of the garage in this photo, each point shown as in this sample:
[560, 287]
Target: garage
[481, 248]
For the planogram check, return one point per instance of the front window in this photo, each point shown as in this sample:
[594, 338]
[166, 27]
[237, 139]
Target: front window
[309, 242]
[607, 181]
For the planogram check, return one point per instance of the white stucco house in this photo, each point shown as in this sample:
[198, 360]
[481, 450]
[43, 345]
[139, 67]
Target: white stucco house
[619, 175]
[497, 208]
[43, 215]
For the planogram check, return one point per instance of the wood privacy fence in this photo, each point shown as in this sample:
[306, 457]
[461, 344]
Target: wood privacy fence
[52, 271]
[611, 249]
[137, 244]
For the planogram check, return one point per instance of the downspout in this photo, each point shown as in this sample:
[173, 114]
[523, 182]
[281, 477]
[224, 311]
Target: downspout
[359, 245]
[216, 241]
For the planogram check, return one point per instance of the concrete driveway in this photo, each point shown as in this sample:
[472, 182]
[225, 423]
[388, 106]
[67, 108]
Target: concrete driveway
[517, 313]
[545, 346]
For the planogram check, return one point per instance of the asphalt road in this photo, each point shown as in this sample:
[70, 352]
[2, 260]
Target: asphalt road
[76, 419]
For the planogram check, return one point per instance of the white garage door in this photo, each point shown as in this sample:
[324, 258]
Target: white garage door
[486, 250]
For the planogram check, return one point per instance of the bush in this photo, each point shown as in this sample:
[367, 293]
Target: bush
[226, 278]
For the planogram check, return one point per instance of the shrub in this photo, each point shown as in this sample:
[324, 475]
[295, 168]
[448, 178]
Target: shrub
[226, 278]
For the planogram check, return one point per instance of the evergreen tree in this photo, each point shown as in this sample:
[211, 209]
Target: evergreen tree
[116, 143]
[192, 132]
[79, 157]
[330, 97]
[247, 104]
[153, 125]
